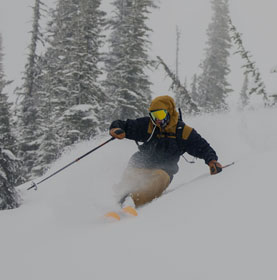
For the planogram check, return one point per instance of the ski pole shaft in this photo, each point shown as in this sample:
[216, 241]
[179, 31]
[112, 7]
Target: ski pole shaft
[227, 165]
[34, 185]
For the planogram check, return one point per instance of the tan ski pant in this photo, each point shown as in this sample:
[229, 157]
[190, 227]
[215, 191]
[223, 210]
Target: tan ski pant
[144, 184]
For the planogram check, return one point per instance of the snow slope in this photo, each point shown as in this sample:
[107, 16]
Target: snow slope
[205, 227]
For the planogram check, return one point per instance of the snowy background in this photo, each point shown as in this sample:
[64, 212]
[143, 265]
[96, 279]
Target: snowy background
[255, 19]
[205, 227]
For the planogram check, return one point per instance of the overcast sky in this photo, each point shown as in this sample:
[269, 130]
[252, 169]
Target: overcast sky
[255, 19]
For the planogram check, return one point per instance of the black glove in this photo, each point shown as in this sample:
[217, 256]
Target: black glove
[215, 167]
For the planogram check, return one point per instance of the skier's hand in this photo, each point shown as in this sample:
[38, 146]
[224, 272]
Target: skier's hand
[118, 133]
[215, 167]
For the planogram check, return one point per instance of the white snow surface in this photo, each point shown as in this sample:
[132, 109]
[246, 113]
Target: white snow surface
[220, 227]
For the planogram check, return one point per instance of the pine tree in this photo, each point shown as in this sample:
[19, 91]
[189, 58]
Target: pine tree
[30, 121]
[213, 87]
[249, 65]
[194, 91]
[70, 93]
[178, 36]
[244, 95]
[83, 71]
[9, 178]
[274, 96]
[50, 147]
[6, 138]
[2, 81]
[127, 84]
[72, 68]
[183, 98]
[9, 164]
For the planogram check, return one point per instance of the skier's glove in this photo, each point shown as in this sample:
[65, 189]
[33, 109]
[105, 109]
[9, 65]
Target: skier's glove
[118, 133]
[215, 167]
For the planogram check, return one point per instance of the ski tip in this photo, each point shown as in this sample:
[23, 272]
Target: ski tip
[130, 210]
[113, 215]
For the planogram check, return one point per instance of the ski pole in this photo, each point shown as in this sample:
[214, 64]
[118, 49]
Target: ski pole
[227, 165]
[34, 185]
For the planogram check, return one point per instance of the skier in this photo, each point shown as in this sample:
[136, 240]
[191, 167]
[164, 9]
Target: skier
[165, 138]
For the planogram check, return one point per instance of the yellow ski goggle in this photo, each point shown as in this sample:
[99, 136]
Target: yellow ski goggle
[158, 115]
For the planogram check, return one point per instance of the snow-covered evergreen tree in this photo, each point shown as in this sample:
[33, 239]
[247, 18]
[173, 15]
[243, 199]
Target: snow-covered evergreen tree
[178, 36]
[274, 96]
[50, 147]
[70, 93]
[244, 95]
[9, 178]
[9, 165]
[30, 118]
[127, 84]
[2, 81]
[182, 96]
[72, 68]
[213, 86]
[7, 140]
[82, 73]
[249, 66]
[194, 91]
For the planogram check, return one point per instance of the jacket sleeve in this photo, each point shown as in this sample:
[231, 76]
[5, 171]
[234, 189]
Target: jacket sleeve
[135, 129]
[200, 148]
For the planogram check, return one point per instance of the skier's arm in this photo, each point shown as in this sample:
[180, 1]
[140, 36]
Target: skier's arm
[134, 129]
[198, 147]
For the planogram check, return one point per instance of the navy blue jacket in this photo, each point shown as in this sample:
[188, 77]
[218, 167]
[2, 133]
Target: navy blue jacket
[163, 150]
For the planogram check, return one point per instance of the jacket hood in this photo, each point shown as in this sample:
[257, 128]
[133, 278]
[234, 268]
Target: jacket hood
[166, 102]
